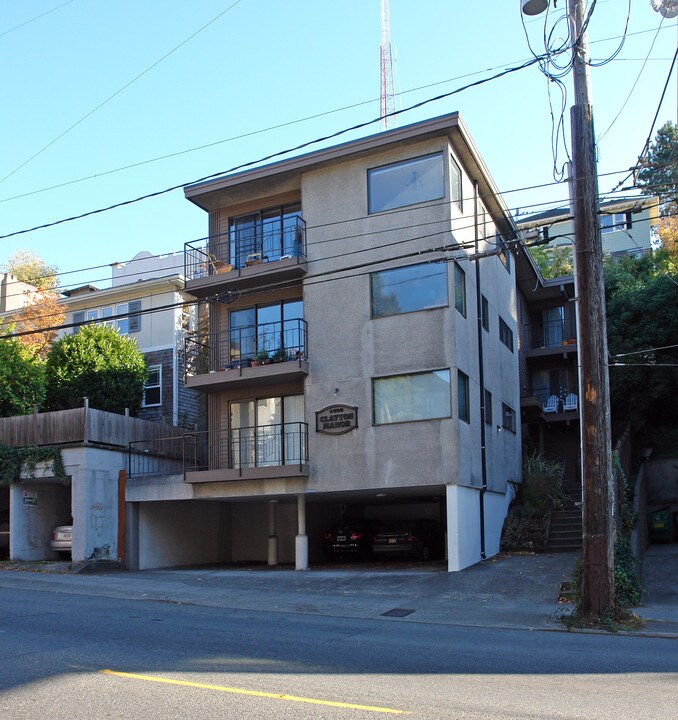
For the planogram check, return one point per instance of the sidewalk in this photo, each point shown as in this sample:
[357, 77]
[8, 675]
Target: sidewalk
[508, 591]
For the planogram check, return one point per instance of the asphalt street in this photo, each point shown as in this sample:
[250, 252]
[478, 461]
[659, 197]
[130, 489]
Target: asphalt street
[100, 651]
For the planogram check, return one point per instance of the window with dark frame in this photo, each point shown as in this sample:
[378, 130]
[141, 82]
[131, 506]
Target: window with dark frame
[505, 334]
[485, 313]
[463, 399]
[405, 183]
[408, 289]
[456, 188]
[411, 397]
[488, 407]
[459, 289]
[508, 418]
[153, 387]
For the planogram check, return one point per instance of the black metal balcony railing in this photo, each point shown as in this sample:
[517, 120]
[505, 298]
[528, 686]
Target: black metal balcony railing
[565, 400]
[264, 343]
[267, 241]
[161, 456]
[248, 447]
[550, 334]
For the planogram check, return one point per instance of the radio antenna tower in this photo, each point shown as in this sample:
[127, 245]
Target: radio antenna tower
[387, 94]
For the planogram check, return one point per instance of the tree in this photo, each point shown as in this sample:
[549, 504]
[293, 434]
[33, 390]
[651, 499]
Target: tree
[22, 379]
[658, 174]
[41, 311]
[553, 262]
[98, 363]
[30, 268]
[642, 297]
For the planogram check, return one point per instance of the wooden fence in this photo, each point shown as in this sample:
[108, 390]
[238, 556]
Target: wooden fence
[83, 425]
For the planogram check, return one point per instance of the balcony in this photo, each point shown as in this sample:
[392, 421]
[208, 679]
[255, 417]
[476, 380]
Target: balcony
[547, 338]
[269, 251]
[550, 406]
[257, 355]
[247, 453]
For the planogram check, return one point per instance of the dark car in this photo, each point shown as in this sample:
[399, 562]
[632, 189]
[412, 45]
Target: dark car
[350, 539]
[412, 538]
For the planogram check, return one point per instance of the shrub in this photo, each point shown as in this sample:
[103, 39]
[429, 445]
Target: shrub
[98, 363]
[22, 379]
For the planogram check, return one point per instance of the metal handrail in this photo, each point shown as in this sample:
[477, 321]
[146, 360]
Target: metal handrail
[270, 240]
[267, 342]
[247, 447]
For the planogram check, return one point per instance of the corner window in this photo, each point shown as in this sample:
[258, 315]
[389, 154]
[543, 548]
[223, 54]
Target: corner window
[508, 418]
[406, 398]
[153, 386]
[456, 194]
[485, 313]
[408, 289]
[463, 399]
[405, 183]
[460, 289]
[506, 334]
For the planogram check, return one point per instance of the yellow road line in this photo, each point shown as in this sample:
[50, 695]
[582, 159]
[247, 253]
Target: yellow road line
[255, 693]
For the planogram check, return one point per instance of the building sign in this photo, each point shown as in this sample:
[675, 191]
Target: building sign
[336, 419]
[30, 498]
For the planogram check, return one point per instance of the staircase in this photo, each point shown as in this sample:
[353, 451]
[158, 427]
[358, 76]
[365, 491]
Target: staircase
[565, 526]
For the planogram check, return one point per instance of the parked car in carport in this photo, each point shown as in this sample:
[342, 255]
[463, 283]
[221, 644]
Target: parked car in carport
[352, 539]
[62, 540]
[412, 538]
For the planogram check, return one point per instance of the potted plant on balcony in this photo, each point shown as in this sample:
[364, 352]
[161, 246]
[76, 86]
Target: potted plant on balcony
[261, 357]
[280, 355]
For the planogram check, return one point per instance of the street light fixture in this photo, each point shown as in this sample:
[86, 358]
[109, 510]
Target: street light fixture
[534, 7]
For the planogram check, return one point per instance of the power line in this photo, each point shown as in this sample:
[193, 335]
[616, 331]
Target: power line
[117, 92]
[266, 158]
[37, 17]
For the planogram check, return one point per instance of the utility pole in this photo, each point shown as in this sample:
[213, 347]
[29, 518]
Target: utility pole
[594, 389]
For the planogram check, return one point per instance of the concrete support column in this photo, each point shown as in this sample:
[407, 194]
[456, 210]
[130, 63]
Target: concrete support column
[272, 537]
[301, 541]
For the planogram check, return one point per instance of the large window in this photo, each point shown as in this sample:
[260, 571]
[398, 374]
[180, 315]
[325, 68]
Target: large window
[276, 330]
[267, 431]
[406, 398]
[407, 289]
[266, 235]
[463, 398]
[506, 334]
[405, 183]
[153, 386]
[460, 289]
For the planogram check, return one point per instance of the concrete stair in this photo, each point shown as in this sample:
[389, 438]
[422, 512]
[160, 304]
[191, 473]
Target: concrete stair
[565, 531]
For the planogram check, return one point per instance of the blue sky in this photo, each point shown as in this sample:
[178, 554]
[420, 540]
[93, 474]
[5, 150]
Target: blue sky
[165, 84]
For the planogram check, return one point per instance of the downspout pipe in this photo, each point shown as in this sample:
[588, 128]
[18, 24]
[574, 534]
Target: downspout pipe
[481, 375]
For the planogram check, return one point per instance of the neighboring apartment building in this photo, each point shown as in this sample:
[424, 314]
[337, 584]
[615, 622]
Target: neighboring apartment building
[628, 226]
[549, 386]
[147, 302]
[353, 367]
